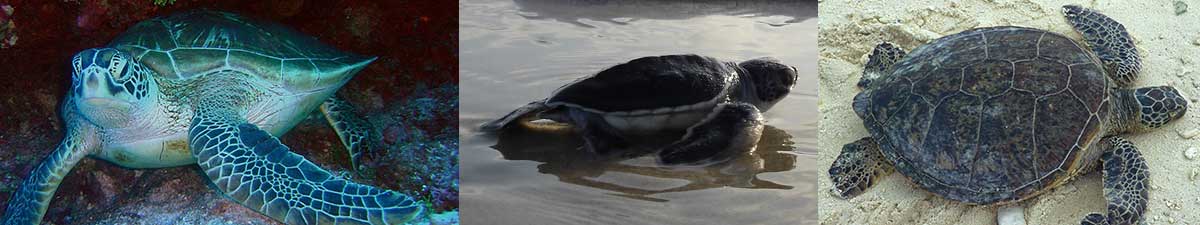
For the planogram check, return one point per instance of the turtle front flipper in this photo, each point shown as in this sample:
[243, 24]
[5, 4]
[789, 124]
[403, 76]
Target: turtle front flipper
[729, 128]
[859, 166]
[252, 167]
[1125, 181]
[1109, 41]
[29, 203]
[525, 112]
[356, 133]
[880, 62]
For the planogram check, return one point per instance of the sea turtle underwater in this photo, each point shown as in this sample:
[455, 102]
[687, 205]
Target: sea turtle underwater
[716, 103]
[997, 115]
[215, 89]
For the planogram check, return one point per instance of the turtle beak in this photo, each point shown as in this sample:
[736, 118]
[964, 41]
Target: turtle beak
[97, 83]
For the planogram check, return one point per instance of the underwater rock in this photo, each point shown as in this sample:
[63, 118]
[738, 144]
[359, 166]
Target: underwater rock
[91, 16]
[171, 196]
[163, 2]
[104, 188]
[362, 19]
[8, 28]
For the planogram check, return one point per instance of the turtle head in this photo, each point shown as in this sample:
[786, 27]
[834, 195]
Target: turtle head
[1159, 105]
[108, 85]
[771, 80]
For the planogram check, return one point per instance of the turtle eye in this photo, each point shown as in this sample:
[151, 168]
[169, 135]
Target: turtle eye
[116, 66]
[77, 64]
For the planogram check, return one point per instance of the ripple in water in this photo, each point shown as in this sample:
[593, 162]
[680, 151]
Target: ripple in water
[514, 52]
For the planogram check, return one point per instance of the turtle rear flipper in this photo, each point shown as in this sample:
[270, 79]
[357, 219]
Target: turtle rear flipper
[1109, 41]
[729, 128]
[525, 112]
[1125, 180]
[880, 62]
[356, 134]
[252, 167]
[599, 137]
[858, 167]
[29, 203]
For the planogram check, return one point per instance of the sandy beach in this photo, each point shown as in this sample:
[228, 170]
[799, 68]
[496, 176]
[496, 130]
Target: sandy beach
[1170, 49]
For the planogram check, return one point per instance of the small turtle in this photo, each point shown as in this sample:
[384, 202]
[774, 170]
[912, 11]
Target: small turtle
[716, 102]
[215, 89]
[996, 115]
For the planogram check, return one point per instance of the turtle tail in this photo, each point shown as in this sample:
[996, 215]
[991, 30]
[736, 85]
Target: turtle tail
[527, 111]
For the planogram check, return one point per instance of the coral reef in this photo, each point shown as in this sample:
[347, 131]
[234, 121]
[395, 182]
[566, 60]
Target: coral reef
[410, 93]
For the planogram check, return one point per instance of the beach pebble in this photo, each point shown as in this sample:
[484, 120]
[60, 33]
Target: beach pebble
[1011, 215]
[1180, 7]
[1191, 153]
[1195, 174]
[1174, 206]
[1189, 134]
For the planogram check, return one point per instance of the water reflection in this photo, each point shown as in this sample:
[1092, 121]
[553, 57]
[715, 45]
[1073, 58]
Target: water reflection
[624, 11]
[559, 155]
[515, 52]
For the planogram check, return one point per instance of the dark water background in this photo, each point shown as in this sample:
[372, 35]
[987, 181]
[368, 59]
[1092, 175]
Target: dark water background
[514, 52]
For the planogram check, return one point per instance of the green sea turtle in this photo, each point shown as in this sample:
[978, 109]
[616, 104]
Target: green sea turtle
[215, 89]
[996, 115]
[716, 102]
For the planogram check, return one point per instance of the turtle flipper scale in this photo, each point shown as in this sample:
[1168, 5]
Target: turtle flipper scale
[252, 167]
[28, 205]
[1109, 40]
[858, 167]
[355, 132]
[1125, 181]
[729, 128]
[880, 62]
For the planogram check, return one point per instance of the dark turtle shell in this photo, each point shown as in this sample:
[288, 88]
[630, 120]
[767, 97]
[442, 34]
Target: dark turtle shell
[192, 44]
[989, 115]
[650, 83]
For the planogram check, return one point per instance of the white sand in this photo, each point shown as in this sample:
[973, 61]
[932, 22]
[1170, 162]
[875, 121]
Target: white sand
[1170, 47]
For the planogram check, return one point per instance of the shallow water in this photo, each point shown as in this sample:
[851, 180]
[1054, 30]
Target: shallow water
[514, 52]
